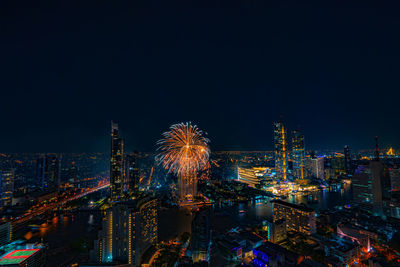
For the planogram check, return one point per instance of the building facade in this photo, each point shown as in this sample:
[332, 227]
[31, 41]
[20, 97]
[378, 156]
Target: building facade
[298, 154]
[276, 231]
[394, 179]
[129, 229]
[116, 164]
[48, 172]
[5, 233]
[315, 167]
[7, 179]
[338, 164]
[298, 218]
[347, 159]
[280, 150]
[131, 183]
[253, 176]
[367, 187]
[201, 236]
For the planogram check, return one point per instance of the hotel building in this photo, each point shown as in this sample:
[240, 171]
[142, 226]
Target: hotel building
[298, 218]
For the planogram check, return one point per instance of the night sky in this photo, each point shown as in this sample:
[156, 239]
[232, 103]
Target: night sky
[331, 68]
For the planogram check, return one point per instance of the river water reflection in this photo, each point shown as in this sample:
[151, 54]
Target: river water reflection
[61, 232]
[245, 214]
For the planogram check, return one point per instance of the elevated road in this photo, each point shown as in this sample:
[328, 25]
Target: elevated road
[55, 205]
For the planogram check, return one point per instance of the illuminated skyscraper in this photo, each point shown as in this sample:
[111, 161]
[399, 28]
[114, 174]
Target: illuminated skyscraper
[129, 229]
[131, 173]
[116, 163]
[48, 172]
[280, 149]
[201, 236]
[367, 185]
[317, 167]
[6, 187]
[347, 160]
[299, 154]
[338, 165]
[395, 179]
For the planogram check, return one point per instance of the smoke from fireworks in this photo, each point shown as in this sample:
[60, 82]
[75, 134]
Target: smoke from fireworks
[183, 150]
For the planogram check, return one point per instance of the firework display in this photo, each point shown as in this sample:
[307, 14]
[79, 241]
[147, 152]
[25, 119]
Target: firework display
[184, 151]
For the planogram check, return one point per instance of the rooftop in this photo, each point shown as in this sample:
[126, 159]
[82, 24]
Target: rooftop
[292, 205]
[17, 256]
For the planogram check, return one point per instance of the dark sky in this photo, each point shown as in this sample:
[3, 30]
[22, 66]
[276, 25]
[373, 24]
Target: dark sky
[232, 67]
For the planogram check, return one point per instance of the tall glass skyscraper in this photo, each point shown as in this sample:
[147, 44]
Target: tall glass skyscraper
[367, 187]
[298, 153]
[116, 163]
[280, 150]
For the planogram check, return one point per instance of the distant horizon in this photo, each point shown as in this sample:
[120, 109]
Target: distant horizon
[212, 151]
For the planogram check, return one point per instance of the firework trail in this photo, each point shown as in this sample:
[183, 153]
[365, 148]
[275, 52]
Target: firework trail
[184, 151]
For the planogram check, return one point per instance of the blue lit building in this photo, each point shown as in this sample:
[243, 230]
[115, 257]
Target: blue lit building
[367, 187]
[272, 255]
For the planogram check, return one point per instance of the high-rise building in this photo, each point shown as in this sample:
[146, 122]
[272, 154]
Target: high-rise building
[298, 218]
[201, 236]
[276, 231]
[338, 164]
[73, 173]
[129, 229]
[367, 187]
[253, 176]
[347, 159]
[7, 187]
[367, 184]
[48, 172]
[280, 150]
[131, 173]
[317, 167]
[5, 233]
[298, 154]
[395, 179]
[116, 163]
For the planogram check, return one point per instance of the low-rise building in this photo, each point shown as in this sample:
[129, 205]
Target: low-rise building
[273, 255]
[276, 231]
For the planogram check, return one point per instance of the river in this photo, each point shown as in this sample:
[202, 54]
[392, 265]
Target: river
[69, 236]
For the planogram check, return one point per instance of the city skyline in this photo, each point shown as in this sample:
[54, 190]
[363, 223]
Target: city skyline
[199, 133]
[269, 144]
